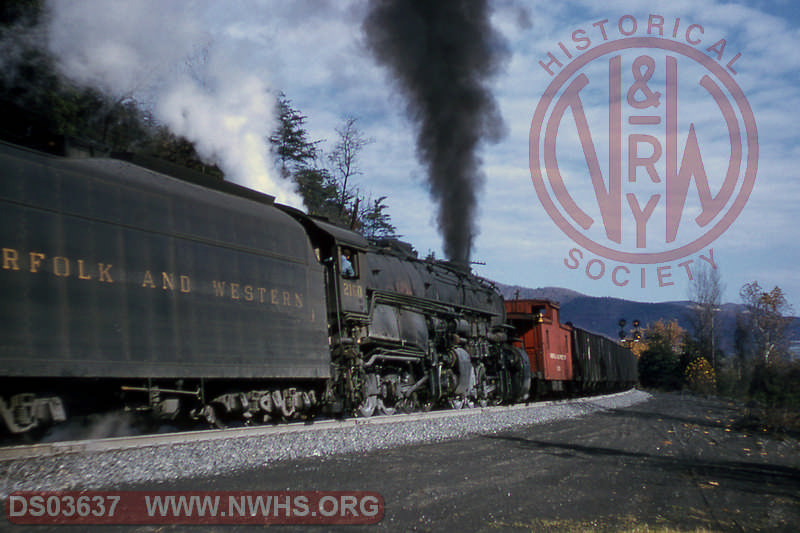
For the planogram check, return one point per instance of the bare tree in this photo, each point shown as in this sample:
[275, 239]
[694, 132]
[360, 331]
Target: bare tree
[344, 158]
[765, 320]
[705, 293]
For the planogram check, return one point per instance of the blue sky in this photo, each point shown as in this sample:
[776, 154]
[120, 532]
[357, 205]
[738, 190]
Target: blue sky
[315, 53]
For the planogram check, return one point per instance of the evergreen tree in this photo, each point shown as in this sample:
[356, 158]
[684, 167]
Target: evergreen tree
[290, 145]
[375, 222]
[328, 192]
[319, 193]
[660, 364]
[181, 151]
[40, 109]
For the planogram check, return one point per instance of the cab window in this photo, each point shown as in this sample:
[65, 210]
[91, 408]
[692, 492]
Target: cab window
[348, 263]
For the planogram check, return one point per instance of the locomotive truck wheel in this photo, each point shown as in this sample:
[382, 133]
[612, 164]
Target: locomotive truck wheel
[408, 405]
[367, 408]
[457, 403]
[383, 409]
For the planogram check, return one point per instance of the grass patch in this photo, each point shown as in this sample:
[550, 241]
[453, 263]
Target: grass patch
[612, 524]
[777, 421]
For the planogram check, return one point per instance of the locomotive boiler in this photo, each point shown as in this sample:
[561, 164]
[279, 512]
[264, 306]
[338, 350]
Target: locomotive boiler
[122, 286]
[406, 333]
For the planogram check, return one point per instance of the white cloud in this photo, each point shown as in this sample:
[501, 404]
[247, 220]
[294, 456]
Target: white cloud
[314, 52]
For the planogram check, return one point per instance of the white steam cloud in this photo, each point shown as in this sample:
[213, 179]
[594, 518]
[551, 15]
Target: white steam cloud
[190, 62]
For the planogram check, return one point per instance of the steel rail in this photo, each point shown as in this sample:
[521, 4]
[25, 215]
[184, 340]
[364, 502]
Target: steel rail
[50, 449]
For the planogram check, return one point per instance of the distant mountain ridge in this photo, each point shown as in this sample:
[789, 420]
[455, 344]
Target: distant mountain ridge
[602, 314]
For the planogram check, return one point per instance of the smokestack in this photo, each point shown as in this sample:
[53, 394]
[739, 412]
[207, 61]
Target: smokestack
[442, 55]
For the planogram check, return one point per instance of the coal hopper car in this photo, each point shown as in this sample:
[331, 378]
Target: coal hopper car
[567, 359]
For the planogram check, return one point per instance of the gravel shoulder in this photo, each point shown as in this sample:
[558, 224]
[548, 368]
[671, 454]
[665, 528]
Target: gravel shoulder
[175, 461]
[635, 461]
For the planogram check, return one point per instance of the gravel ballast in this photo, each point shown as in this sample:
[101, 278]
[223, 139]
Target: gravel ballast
[163, 463]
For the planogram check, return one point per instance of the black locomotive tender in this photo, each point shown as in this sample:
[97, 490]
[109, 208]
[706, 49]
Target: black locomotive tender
[122, 285]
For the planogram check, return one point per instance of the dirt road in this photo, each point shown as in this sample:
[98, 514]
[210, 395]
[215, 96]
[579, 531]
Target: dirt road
[672, 463]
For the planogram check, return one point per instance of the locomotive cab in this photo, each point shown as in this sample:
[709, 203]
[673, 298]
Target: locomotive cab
[341, 253]
[406, 333]
[350, 282]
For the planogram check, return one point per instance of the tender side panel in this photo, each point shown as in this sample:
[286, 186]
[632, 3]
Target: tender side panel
[109, 270]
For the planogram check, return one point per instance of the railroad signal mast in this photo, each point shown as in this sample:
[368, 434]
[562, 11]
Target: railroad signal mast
[635, 334]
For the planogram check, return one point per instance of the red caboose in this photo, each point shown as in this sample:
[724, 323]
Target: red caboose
[546, 341]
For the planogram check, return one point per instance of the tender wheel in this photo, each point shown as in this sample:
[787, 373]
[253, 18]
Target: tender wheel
[213, 415]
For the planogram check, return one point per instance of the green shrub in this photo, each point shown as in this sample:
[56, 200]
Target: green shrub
[776, 385]
[660, 369]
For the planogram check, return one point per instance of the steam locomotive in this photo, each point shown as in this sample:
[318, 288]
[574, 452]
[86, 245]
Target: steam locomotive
[122, 285]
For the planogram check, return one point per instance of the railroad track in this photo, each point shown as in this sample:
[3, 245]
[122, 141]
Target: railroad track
[49, 449]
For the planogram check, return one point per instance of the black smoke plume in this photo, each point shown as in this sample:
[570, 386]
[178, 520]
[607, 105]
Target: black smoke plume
[442, 54]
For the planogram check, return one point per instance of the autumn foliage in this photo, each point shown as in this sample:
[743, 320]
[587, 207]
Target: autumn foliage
[668, 360]
[700, 376]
